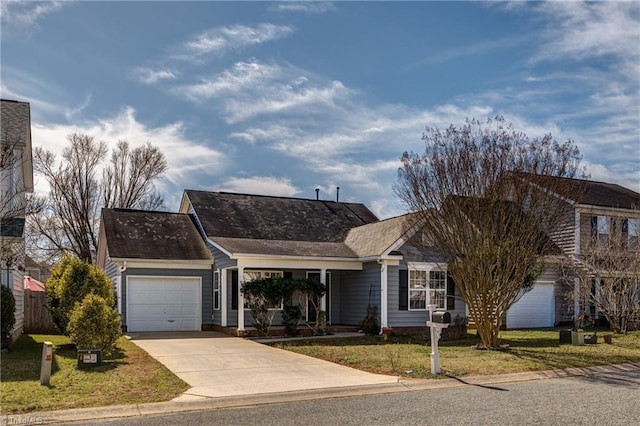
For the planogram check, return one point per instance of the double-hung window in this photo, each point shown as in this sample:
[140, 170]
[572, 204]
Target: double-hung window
[600, 228]
[438, 288]
[417, 290]
[216, 290]
[427, 285]
[633, 229]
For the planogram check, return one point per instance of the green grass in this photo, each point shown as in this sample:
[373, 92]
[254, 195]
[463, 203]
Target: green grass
[129, 376]
[530, 350]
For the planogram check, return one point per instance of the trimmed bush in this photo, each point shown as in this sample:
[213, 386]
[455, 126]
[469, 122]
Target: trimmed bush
[8, 311]
[291, 317]
[70, 282]
[94, 324]
[370, 324]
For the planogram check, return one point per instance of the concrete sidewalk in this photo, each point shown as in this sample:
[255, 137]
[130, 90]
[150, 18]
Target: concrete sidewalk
[118, 411]
[216, 365]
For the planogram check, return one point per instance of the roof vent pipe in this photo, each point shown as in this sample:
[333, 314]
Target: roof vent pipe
[337, 194]
[317, 192]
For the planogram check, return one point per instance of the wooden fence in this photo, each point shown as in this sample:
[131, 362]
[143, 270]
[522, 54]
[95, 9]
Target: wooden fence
[36, 314]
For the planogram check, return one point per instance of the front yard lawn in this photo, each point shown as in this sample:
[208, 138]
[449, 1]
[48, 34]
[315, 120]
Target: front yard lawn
[530, 350]
[130, 376]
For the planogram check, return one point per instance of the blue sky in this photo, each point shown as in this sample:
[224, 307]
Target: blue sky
[278, 98]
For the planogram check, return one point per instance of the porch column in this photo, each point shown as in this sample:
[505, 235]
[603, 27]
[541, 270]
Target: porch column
[240, 299]
[383, 294]
[222, 276]
[576, 300]
[323, 299]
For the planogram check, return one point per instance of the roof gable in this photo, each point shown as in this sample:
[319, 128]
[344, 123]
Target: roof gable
[374, 239]
[138, 234]
[261, 217]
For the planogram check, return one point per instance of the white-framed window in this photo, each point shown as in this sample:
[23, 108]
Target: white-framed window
[600, 228]
[603, 225]
[633, 229]
[216, 290]
[417, 290]
[427, 285]
[438, 288]
[250, 275]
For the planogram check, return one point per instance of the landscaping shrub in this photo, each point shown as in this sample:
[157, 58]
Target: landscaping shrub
[94, 324]
[291, 317]
[8, 306]
[70, 282]
[370, 324]
[265, 295]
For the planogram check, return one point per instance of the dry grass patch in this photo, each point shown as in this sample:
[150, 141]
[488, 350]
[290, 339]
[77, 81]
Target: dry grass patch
[129, 376]
[530, 350]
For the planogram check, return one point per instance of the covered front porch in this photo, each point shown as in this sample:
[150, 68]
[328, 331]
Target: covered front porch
[351, 285]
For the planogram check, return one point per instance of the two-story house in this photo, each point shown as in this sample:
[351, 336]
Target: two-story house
[600, 213]
[16, 180]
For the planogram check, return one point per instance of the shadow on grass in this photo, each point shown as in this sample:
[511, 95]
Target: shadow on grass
[24, 361]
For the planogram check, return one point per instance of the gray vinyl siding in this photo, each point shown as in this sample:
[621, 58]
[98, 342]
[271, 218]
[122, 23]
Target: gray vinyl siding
[111, 269]
[18, 294]
[207, 286]
[334, 298]
[221, 260]
[354, 289]
[564, 235]
[408, 318]
[112, 272]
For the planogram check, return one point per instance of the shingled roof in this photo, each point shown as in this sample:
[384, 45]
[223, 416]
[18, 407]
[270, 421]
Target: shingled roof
[139, 234]
[376, 238]
[261, 217]
[15, 117]
[592, 193]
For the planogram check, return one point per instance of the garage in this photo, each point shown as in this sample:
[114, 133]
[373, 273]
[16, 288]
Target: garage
[163, 303]
[535, 309]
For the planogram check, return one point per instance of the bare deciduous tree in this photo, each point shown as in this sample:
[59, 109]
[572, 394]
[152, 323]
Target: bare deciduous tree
[66, 219]
[128, 181]
[472, 188]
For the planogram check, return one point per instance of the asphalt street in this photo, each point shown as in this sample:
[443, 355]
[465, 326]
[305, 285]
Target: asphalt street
[605, 399]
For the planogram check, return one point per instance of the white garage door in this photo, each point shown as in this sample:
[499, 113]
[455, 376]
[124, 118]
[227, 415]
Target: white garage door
[535, 309]
[163, 304]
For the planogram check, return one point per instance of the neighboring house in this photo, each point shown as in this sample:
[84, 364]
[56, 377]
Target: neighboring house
[183, 271]
[598, 209]
[16, 179]
[36, 270]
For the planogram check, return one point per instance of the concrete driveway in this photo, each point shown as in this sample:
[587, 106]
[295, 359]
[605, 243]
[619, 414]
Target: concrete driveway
[216, 365]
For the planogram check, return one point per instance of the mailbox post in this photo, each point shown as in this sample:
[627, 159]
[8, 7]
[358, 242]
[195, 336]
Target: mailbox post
[437, 321]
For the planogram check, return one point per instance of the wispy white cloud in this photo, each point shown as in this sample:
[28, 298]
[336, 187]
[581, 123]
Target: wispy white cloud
[586, 30]
[253, 88]
[151, 76]
[22, 14]
[265, 185]
[309, 7]
[241, 77]
[222, 39]
[72, 112]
